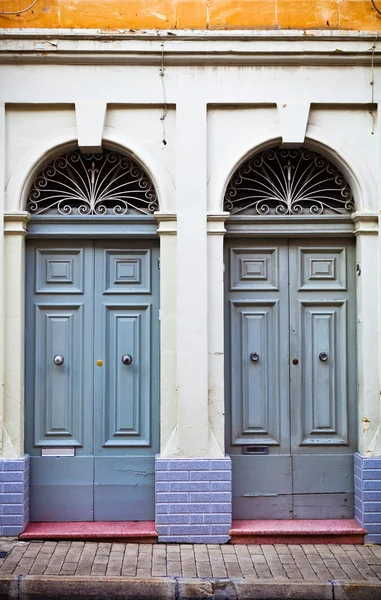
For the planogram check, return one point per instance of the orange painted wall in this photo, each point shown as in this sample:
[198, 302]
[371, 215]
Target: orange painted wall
[194, 14]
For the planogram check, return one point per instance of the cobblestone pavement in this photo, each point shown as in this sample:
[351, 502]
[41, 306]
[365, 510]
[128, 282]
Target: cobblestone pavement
[277, 562]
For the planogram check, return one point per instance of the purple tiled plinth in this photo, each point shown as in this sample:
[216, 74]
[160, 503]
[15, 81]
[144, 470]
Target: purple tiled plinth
[193, 500]
[14, 495]
[368, 496]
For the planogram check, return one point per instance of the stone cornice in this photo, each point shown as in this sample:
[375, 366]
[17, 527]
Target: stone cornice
[189, 47]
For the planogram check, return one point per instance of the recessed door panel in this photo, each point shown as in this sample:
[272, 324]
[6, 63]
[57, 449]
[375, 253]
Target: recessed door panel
[127, 384]
[254, 376]
[58, 387]
[323, 368]
[59, 271]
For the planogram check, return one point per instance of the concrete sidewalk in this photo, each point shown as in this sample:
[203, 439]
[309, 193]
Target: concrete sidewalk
[87, 570]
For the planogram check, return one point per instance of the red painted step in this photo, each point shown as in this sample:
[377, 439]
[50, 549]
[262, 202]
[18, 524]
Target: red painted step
[143, 532]
[297, 531]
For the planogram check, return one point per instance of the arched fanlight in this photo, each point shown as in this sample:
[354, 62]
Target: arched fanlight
[92, 184]
[288, 182]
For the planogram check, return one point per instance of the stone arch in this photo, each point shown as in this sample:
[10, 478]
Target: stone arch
[52, 147]
[346, 160]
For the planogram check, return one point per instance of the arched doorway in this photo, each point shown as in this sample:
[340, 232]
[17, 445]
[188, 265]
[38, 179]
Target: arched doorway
[290, 337]
[92, 340]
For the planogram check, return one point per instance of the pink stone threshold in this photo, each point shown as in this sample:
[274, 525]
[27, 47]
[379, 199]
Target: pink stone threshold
[297, 531]
[127, 531]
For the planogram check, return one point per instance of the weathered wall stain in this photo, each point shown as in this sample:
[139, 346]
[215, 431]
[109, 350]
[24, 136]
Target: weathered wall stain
[194, 14]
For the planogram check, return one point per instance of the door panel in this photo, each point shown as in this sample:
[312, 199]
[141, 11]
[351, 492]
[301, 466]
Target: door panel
[322, 335]
[127, 387]
[124, 488]
[324, 385]
[262, 487]
[255, 392]
[291, 303]
[58, 389]
[61, 489]
[92, 303]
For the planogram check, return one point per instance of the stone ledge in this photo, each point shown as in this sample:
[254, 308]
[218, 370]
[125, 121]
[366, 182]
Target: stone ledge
[20, 587]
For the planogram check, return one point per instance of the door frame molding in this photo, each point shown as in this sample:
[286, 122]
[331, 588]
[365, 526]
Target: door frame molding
[364, 225]
[17, 225]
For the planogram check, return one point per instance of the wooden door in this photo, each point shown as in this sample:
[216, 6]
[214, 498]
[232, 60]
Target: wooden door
[92, 393]
[290, 377]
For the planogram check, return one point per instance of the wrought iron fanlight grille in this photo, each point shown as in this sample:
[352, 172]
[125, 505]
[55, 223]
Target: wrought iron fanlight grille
[288, 182]
[92, 184]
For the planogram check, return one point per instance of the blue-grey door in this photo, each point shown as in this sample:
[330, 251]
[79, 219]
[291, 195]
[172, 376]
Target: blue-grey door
[290, 377]
[92, 378]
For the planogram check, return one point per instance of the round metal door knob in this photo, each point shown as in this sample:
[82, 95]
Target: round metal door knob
[126, 359]
[58, 360]
[323, 356]
[254, 356]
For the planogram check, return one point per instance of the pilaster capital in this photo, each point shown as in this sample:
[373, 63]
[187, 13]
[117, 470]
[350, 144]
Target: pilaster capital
[167, 223]
[366, 222]
[216, 222]
[15, 223]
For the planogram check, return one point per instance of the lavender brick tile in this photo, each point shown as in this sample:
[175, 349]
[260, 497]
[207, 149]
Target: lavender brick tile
[358, 482]
[1, 531]
[13, 509]
[12, 530]
[371, 463]
[13, 488]
[371, 484]
[210, 476]
[190, 529]
[161, 509]
[177, 464]
[371, 518]
[1, 465]
[11, 476]
[221, 486]
[14, 465]
[371, 474]
[12, 520]
[168, 539]
[373, 539]
[11, 498]
[190, 486]
[211, 539]
[189, 508]
[221, 464]
[375, 496]
[370, 506]
[210, 497]
[373, 527]
[162, 486]
[218, 519]
[162, 497]
[172, 519]
[162, 529]
[220, 530]
[161, 464]
[358, 459]
[197, 519]
[222, 507]
[172, 475]
[358, 471]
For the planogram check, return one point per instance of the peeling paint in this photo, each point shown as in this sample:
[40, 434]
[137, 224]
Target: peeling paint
[196, 14]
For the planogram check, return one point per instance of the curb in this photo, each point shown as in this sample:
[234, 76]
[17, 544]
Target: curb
[29, 587]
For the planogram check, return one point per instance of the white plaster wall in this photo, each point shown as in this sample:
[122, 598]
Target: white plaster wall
[216, 116]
